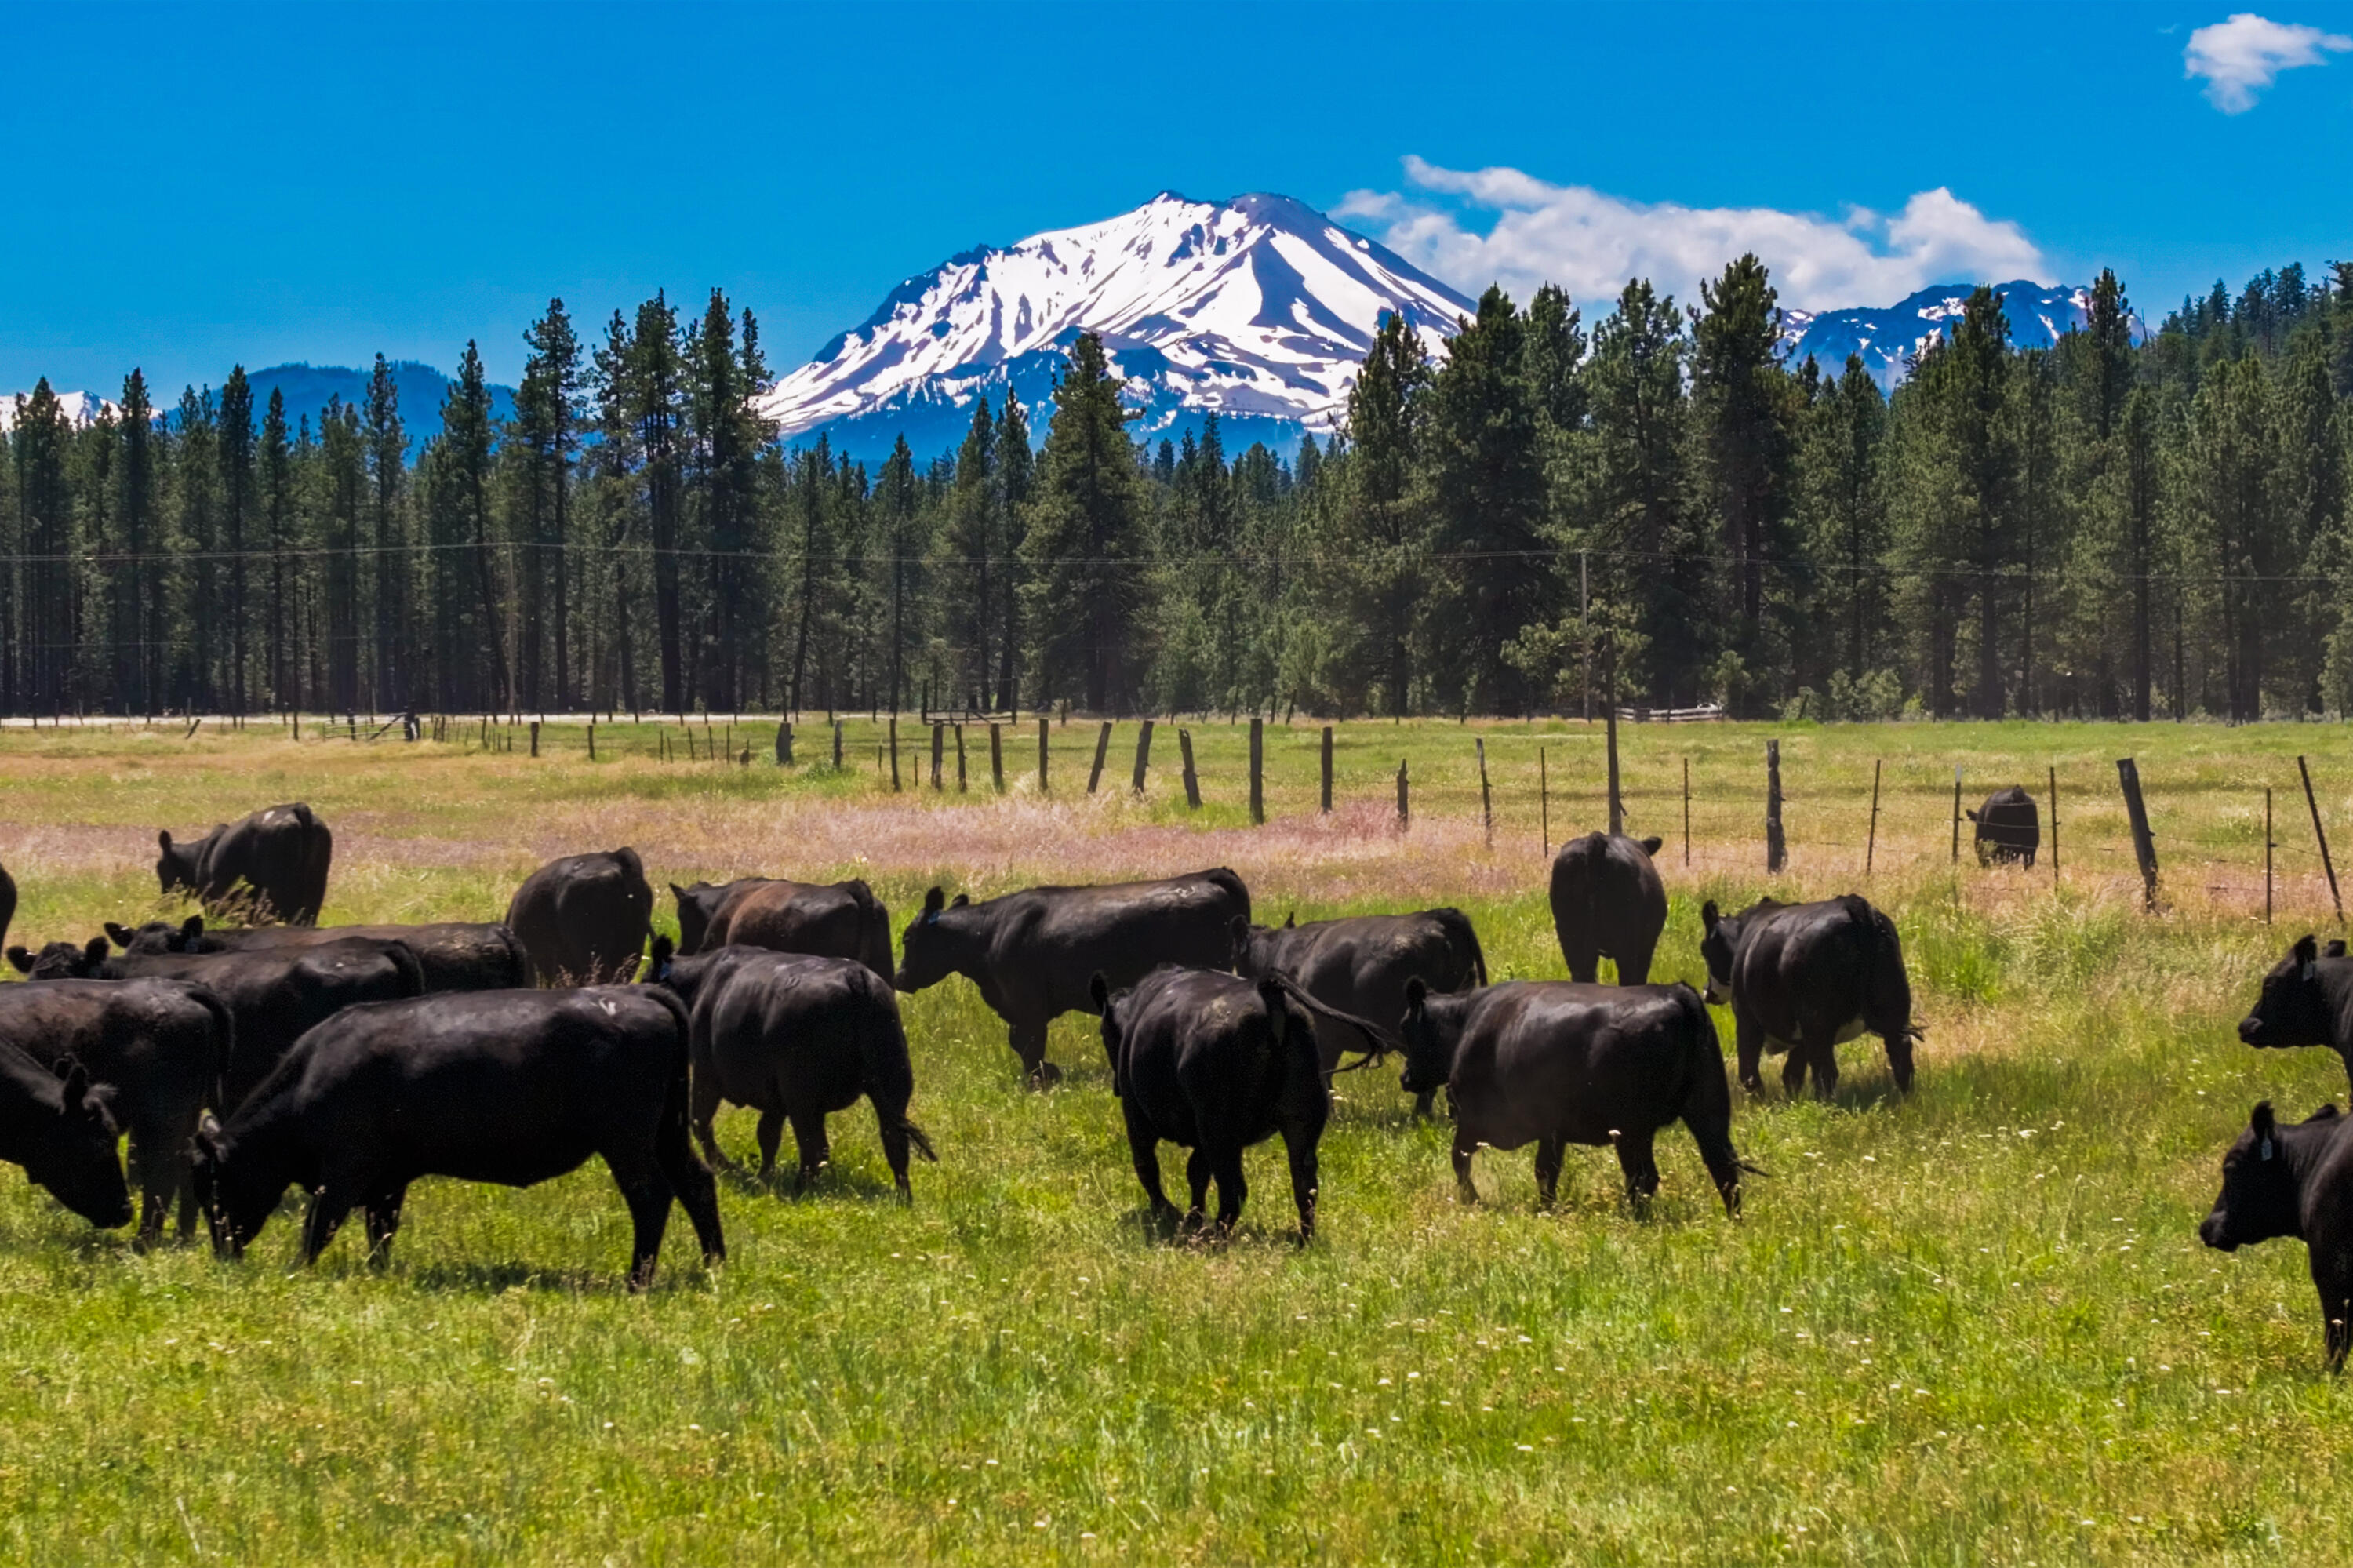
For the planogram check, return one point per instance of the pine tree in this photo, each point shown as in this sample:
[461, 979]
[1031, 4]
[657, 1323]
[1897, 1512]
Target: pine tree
[897, 498]
[1083, 582]
[1650, 573]
[1744, 416]
[197, 480]
[466, 444]
[277, 484]
[143, 627]
[654, 379]
[547, 438]
[1383, 527]
[234, 452]
[970, 567]
[1015, 476]
[387, 458]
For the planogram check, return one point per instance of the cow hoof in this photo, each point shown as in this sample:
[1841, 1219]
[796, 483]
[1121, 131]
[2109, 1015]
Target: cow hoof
[1044, 1075]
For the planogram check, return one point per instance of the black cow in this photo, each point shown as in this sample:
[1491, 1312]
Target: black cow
[1554, 1063]
[2294, 1181]
[1030, 952]
[2306, 1000]
[584, 918]
[511, 1087]
[795, 1038]
[1607, 901]
[2009, 828]
[455, 955]
[273, 994]
[60, 1131]
[1802, 977]
[1214, 1063]
[1361, 965]
[272, 865]
[157, 1049]
[7, 900]
[835, 920]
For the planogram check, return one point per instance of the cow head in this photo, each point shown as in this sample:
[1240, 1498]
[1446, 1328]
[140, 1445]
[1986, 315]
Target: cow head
[163, 937]
[75, 1157]
[660, 960]
[2263, 1184]
[177, 864]
[1431, 1028]
[2293, 1008]
[932, 948]
[696, 905]
[61, 961]
[236, 1196]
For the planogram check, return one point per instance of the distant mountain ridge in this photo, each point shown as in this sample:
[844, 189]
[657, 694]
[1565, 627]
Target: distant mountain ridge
[308, 388]
[1888, 338]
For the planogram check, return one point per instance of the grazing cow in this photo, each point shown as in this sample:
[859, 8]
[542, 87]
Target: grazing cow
[272, 865]
[795, 1038]
[157, 1049]
[1803, 978]
[584, 918]
[2294, 1181]
[837, 920]
[1028, 951]
[273, 994]
[1554, 1063]
[2306, 1000]
[455, 955]
[60, 1131]
[511, 1087]
[1213, 1063]
[1361, 965]
[1607, 901]
[2009, 828]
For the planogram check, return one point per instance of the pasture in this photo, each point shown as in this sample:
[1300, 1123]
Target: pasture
[1972, 1326]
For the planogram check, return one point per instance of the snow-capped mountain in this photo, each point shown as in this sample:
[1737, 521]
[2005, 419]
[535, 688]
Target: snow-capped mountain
[2039, 315]
[81, 407]
[1260, 309]
[307, 389]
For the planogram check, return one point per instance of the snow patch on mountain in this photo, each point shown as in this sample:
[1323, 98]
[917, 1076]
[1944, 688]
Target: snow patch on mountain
[1889, 339]
[1260, 309]
[80, 409]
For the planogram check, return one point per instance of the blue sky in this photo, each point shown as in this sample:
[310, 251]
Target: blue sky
[189, 187]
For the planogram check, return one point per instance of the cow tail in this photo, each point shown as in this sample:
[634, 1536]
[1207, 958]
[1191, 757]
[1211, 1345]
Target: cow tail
[1379, 1042]
[1706, 1107]
[518, 976]
[224, 1041]
[412, 967]
[1458, 928]
[885, 1063]
[672, 1138]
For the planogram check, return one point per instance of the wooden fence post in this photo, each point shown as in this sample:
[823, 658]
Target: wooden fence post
[1327, 770]
[1258, 770]
[1777, 849]
[894, 753]
[2321, 835]
[939, 744]
[1956, 816]
[836, 743]
[1405, 812]
[961, 783]
[1041, 754]
[784, 743]
[1102, 749]
[1617, 802]
[1486, 797]
[534, 737]
[2055, 828]
[1686, 813]
[2267, 854]
[1543, 799]
[1143, 756]
[2144, 841]
[997, 759]
[1870, 845]
[1192, 784]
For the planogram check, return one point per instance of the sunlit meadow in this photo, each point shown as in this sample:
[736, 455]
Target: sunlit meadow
[1971, 1326]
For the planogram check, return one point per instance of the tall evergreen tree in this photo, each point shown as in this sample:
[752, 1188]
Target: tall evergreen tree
[387, 457]
[1083, 579]
[144, 625]
[276, 486]
[1743, 416]
[234, 452]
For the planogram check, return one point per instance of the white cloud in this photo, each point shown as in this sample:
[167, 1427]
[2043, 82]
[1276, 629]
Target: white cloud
[2242, 57]
[1590, 243]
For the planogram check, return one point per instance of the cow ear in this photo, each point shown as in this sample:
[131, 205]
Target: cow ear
[1653, 845]
[93, 952]
[658, 957]
[1416, 993]
[2326, 1113]
[192, 928]
[1098, 988]
[934, 902]
[2336, 948]
[163, 841]
[960, 900]
[2305, 952]
[120, 934]
[22, 960]
[1290, 919]
[1708, 916]
[2263, 1127]
[1971, 815]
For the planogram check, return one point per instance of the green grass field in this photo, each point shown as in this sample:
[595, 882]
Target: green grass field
[1972, 1326]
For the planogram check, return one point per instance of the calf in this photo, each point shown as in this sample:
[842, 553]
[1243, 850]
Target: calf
[272, 865]
[795, 1038]
[840, 920]
[453, 955]
[156, 1048]
[583, 918]
[1362, 964]
[1214, 1064]
[510, 1086]
[1554, 1063]
[1607, 901]
[1803, 978]
[1027, 950]
[60, 1131]
[2294, 1181]
[2009, 828]
[2306, 1000]
[273, 994]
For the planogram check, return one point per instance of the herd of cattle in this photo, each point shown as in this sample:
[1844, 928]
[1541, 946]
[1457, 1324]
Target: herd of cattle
[350, 1061]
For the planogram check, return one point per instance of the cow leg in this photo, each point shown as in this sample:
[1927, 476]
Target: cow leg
[691, 1183]
[2335, 1283]
[1198, 1170]
[808, 1135]
[1793, 1071]
[383, 1216]
[1465, 1146]
[1423, 1101]
[1144, 1148]
[330, 1205]
[1748, 1046]
[1029, 1043]
[1826, 1069]
[1584, 964]
[894, 1148]
[1899, 1061]
[159, 1179]
[1302, 1151]
[1637, 1160]
[702, 1109]
[1231, 1189]
[648, 1193]
[1634, 965]
[1548, 1161]
[771, 1134]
